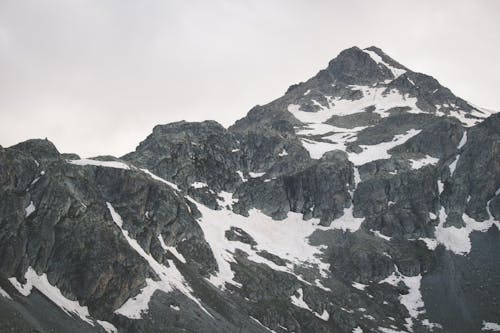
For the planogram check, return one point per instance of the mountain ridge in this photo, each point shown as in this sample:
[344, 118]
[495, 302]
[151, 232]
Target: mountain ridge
[342, 206]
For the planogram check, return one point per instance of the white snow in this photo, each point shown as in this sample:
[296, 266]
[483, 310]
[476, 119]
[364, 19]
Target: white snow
[342, 107]
[3, 293]
[370, 153]
[357, 330]
[199, 185]
[389, 330]
[108, 327]
[30, 209]
[413, 300]
[241, 176]
[456, 239]
[453, 165]
[427, 160]
[53, 293]
[170, 277]
[106, 164]
[307, 92]
[172, 250]
[334, 137]
[283, 153]
[359, 286]
[235, 150]
[440, 186]
[347, 222]
[429, 242]
[488, 326]
[175, 307]
[267, 233]
[463, 140]
[262, 325]
[155, 177]
[378, 59]
[225, 199]
[379, 234]
[299, 302]
[256, 174]
[380, 151]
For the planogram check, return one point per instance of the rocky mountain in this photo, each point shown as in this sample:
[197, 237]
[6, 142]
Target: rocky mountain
[366, 199]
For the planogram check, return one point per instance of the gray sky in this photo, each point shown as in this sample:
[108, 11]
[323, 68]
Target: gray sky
[95, 76]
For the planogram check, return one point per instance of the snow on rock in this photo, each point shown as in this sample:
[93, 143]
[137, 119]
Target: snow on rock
[225, 199]
[463, 140]
[199, 185]
[372, 96]
[256, 174]
[267, 233]
[108, 327]
[389, 330]
[456, 239]
[379, 234]
[155, 177]
[346, 222]
[299, 302]
[357, 330]
[106, 164]
[378, 59]
[487, 326]
[283, 153]
[30, 209]
[243, 179]
[370, 153]
[53, 293]
[4, 294]
[453, 165]
[170, 277]
[380, 151]
[359, 286]
[429, 242]
[412, 301]
[420, 163]
[172, 250]
[175, 307]
[262, 325]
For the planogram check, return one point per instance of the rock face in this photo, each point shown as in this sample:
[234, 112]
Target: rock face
[366, 199]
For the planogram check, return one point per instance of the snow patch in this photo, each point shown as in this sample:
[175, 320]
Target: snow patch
[283, 153]
[268, 234]
[359, 286]
[256, 174]
[199, 185]
[427, 160]
[53, 293]
[463, 140]
[106, 164]
[30, 209]
[397, 72]
[172, 250]
[488, 326]
[4, 294]
[299, 302]
[108, 327]
[155, 177]
[456, 239]
[170, 278]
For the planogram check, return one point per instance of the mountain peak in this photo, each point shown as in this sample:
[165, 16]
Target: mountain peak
[356, 66]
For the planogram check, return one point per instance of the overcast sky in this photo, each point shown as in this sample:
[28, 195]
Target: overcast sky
[95, 76]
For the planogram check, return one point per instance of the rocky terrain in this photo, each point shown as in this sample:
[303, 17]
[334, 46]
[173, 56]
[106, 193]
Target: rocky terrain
[365, 199]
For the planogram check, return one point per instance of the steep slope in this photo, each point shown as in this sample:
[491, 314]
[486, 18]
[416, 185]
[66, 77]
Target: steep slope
[366, 199]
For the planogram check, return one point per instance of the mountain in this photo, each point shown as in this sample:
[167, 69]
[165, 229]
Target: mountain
[365, 199]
